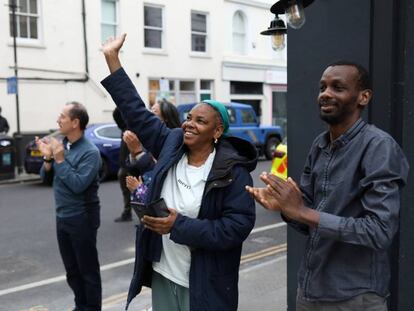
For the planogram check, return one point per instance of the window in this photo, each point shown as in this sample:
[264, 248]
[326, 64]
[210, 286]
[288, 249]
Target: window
[206, 89]
[238, 87]
[109, 23]
[198, 32]
[155, 92]
[279, 104]
[109, 132]
[239, 33]
[187, 92]
[247, 116]
[232, 115]
[179, 91]
[27, 19]
[153, 27]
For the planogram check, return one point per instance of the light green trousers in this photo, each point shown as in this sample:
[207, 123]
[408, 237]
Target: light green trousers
[168, 296]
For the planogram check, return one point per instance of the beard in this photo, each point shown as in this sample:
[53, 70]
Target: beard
[331, 119]
[339, 114]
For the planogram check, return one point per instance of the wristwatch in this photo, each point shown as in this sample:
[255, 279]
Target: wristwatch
[47, 160]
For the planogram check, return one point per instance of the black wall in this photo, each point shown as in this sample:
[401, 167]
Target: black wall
[379, 35]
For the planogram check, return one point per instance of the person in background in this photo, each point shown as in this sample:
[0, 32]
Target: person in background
[191, 258]
[347, 202]
[4, 125]
[167, 112]
[123, 170]
[134, 160]
[72, 167]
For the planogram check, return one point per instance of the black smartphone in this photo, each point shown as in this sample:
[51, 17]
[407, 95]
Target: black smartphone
[157, 208]
[139, 209]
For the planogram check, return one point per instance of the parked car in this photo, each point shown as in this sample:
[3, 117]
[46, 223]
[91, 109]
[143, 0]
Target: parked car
[244, 124]
[106, 136]
[280, 160]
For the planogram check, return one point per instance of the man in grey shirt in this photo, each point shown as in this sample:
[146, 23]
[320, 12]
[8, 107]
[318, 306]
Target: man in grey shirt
[347, 203]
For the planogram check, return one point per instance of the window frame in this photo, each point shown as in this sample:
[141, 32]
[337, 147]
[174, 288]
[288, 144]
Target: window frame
[247, 112]
[175, 93]
[23, 40]
[116, 24]
[162, 29]
[240, 34]
[206, 34]
[206, 91]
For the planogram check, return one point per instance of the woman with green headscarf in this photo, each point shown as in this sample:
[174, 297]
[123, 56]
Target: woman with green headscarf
[190, 258]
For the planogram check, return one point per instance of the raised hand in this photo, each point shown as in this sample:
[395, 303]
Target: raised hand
[287, 194]
[110, 49]
[113, 45]
[58, 150]
[265, 196]
[44, 147]
[132, 183]
[133, 143]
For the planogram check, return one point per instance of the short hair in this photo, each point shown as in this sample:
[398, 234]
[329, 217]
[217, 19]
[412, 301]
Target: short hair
[169, 114]
[363, 75]
[78, 111]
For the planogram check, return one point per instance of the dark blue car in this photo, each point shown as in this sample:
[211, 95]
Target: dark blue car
[106, 136]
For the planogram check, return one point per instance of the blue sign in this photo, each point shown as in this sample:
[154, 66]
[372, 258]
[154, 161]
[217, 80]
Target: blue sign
[11, 85]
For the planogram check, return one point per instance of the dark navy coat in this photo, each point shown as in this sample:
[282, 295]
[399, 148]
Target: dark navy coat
[227, 212]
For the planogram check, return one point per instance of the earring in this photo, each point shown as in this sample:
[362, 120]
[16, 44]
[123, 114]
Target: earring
[215, 141]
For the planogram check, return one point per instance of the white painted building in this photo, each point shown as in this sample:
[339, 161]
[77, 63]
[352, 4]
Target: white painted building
[181, 50]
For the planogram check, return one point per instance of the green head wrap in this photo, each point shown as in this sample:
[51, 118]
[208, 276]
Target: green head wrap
[221, 110]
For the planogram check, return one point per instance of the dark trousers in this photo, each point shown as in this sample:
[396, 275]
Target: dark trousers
[126, 194]
[362, 302]
[77, 244]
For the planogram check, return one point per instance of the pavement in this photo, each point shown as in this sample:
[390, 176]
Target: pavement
[20, 178]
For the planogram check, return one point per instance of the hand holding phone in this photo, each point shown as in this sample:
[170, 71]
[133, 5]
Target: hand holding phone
[157, 208]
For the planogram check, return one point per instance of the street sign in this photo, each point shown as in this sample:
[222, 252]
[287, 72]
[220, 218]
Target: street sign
[11, 85]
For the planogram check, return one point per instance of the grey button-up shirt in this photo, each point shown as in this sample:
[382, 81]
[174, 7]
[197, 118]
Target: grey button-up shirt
[354, 183]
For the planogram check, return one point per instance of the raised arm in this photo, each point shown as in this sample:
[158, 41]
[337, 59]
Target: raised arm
[111, 51]
[149, 128]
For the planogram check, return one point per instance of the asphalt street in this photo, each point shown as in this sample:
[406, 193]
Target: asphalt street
[32, 274]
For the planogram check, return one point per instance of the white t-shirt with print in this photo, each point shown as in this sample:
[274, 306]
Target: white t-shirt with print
[182, 190]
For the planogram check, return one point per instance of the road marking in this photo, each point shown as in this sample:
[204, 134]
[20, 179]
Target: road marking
[263, 264]
[117, 264]
[273, 250]
[269, 227]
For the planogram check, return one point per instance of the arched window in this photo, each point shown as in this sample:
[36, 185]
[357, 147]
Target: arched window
[239, 33]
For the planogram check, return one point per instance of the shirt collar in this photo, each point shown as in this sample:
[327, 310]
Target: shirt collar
[68, 145]
[344, 138]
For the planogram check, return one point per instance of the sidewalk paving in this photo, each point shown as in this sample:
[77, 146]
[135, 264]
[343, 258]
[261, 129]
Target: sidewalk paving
[20, 178]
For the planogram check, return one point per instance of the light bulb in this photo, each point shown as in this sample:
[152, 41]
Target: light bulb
[278, 41]
[295, 14]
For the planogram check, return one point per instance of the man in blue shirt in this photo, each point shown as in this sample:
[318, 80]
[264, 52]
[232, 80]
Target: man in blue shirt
[72, 166]
[347, 203]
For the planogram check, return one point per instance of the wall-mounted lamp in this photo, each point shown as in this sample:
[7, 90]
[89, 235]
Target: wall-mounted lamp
[277, 32]
[294, 10]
